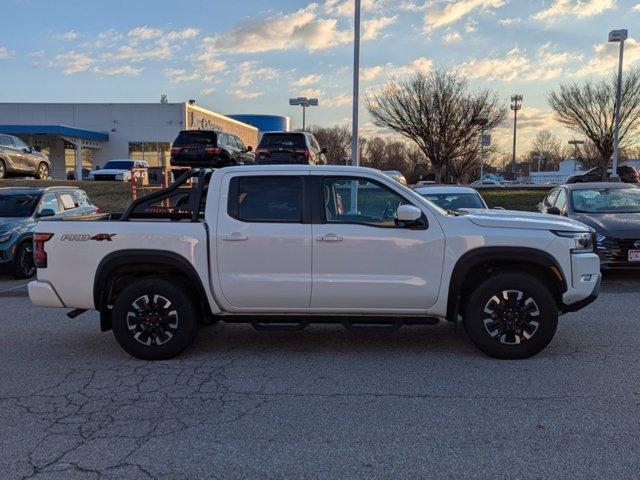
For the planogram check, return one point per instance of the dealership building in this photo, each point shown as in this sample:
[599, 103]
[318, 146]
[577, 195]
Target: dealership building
[90, 134]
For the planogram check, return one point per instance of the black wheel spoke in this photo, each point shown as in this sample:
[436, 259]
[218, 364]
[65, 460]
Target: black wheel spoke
[152, 320]
[512, 319]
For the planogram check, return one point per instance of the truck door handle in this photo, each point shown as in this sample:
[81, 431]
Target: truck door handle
[330, 237]
[235, 237]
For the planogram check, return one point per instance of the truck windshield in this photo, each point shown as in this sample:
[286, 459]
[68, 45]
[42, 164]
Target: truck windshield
[16, 205]
[118, 165]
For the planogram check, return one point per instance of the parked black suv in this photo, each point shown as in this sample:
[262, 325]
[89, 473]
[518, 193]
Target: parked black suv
[207, 148]
[627, 174]
[290, 147]
[16, 157]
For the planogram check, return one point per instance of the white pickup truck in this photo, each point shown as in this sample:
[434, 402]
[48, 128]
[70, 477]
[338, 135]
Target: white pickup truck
[284, 246]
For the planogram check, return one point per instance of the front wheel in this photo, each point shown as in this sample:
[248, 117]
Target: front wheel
[43, 172]
[3, 170]
[154, 319]
[511, 316]
[23, 264]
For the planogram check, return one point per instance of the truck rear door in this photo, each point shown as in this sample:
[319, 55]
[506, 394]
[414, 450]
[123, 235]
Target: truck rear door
[263, 241]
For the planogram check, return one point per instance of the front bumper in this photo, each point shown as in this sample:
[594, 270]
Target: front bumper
[585, 282]
[42, 294]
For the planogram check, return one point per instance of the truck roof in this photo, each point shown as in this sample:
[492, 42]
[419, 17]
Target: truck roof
[302, 168]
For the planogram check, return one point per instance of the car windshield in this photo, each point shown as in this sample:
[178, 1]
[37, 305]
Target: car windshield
[455, 201]
[606, 200]
[287, 140]
[118, 165]
[17, 205]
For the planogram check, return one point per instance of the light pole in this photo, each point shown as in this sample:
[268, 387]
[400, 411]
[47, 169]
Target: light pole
[355, 154]
[516, 104]
[304, 102]
[617, 36]
[483, 142]
[575, 144]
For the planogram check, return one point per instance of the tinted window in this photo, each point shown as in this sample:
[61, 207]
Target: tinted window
[119, 165]
[5, 140]
[17, 205]
[223, 139]
[551, 199]
[561, 201]
[196, 137]
[456, 201]
[240, 143]
[50, 202]
[374, 205]
[266, 199]
[19, 143]
[283, 140]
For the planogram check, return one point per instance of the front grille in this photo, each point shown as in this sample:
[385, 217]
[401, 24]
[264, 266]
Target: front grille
[104, 178]
[617, 249]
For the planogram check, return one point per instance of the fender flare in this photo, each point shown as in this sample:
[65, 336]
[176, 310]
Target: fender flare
[132, 257]
[481, 255]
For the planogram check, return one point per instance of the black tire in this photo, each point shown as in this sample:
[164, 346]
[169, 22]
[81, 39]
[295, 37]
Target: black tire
[3, 169]
[23, 264]
[514, 328]
[43, 171]
[137, 323]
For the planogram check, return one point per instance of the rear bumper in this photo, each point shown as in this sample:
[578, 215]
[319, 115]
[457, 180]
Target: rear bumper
[42, 294]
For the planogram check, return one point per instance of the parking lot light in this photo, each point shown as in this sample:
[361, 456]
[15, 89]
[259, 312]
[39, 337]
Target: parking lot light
[304, 102]
[617, 36]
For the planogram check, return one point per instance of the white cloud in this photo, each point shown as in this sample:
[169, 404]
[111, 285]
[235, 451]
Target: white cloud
[310, 93]
[346, 8]
[307, 80]
[160, 50]
[451, 36]
[338, 100]
[244, 95]
[37, 54]
[72, 62]
[250, 71]
[471, 26]
[70, 35]
[145, 33]
[6, 53]
[421, 64]
[207, 91]
[208, 63]
[443, 12]
[636, 8]
[605, 59]
[576, 8]
[371, 29]
[121, 70]
[184, 34]
[371, 73]
[507, 22]
[301, 29]
[181, 75]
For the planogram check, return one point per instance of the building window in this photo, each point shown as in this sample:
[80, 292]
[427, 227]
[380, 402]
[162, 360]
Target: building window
[157, 154]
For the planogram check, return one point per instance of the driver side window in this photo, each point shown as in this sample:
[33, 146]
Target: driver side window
[374, 204]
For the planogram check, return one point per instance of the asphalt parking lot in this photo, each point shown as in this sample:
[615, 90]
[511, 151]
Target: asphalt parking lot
[323, 403]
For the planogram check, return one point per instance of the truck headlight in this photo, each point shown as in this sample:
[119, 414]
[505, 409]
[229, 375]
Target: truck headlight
[5, 236]
[583, 240]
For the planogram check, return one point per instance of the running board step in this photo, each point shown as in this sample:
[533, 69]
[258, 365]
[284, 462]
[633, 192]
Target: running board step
[262, 326]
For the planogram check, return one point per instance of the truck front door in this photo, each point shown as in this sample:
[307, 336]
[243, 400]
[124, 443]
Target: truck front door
[263, 242]
[363, 259]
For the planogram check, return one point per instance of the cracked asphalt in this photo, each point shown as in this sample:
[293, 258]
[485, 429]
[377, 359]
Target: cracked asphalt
[322, 403]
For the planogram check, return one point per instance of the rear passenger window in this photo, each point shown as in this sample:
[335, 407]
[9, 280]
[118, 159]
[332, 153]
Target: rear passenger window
[266, 199]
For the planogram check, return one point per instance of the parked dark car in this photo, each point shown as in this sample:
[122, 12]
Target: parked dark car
[18, 158]
[207, 148]
[21, 208]
[611, 209]
[627, 174]
[120, 171]
[290, 147]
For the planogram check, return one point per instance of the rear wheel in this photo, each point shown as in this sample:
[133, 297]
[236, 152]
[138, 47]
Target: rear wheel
[154, 319]
[3, 170]
[511, 316]
[23, 263]
[43, 171]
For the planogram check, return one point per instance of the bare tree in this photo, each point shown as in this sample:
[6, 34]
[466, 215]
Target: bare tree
[373, 154]
[437, 112]
[337, 141]
[547, 146]
[589, 109]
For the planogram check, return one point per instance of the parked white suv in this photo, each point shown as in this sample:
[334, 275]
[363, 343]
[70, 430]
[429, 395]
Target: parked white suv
[117, 170]
[284, 246]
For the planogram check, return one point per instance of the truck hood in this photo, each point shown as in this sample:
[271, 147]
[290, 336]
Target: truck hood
[524, 220]
[110, 171]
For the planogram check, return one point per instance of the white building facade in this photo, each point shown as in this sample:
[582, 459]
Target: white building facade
[90, 134]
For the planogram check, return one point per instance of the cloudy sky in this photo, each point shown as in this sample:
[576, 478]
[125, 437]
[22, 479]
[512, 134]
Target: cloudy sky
[250, 56]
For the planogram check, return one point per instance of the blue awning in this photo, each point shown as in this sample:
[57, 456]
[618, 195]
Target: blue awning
[60, 130]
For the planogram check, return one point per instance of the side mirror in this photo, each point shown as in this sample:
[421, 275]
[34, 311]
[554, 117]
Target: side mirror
[409, 213]
[249, 148]
[324, 150]
[47, 212]
[554, 211]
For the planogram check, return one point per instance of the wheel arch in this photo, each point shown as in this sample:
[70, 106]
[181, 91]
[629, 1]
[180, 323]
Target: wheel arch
[480, 262]
[124, 265]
